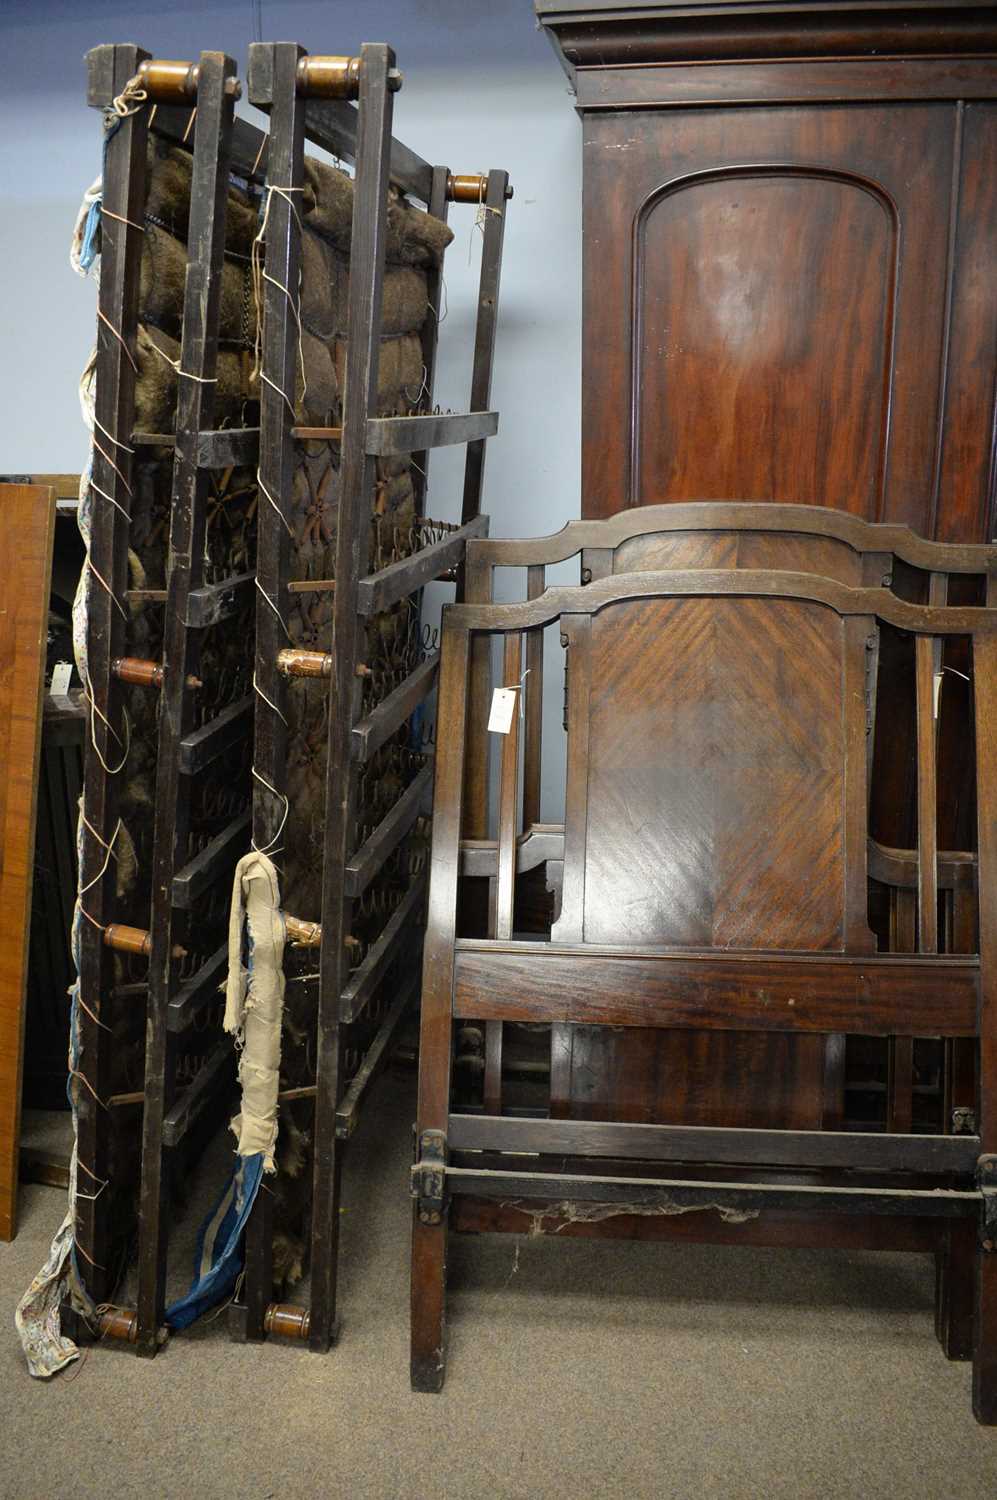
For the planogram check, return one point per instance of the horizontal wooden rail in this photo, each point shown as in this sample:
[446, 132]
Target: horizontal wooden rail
[198, 991]
[332, 124]
[213, 602]
[387, 835]
[381, 590]
[545, 841]
[884, 995]
[364, 980]
[705, 1143]
[538, 845]
[391, 436]
[203, 745]
[209, 1086]
[669, 1196]
[248, 153]
[215, 860]
[390, 714]
[223, 449]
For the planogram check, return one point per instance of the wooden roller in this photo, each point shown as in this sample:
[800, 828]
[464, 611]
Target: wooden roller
[286, 1319]
[305, 934]
[142, 673]
[119, 1323]
[469, 187]
[329, 77]
[133, 940]
[168, 82]
[294, 663]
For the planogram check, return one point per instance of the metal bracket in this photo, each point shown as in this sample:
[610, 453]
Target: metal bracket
[986, 1180]
[429, 1176]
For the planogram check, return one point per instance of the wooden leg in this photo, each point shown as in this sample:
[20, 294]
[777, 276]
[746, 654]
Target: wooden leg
[985, 1347]
[955, 1283]
[429, 1278]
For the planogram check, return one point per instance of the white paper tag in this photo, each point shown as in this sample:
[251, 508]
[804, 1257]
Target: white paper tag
[61, 674]
[503, 708]
[938, 691]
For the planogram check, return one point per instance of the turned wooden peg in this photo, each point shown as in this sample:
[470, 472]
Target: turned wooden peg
[329, 77]
[124, 939]
[294, 663]
[286, 1319]
[142, 673]
[305, 934]
[469, 187]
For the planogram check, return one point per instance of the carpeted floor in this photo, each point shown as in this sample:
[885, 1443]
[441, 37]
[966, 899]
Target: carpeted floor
[577, 1368]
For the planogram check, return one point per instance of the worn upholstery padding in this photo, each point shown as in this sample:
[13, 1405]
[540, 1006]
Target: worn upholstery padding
[156, 387]
[254, 1001]
[168, 199]
[161, 290]
[414, 238]
[325, 289]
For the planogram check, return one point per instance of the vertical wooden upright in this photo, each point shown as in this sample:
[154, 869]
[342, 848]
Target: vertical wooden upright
[109, 70]
[370, 224]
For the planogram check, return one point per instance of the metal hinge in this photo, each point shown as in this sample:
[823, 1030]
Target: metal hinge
[429, 1176]
[564, 644]
[986, 1181]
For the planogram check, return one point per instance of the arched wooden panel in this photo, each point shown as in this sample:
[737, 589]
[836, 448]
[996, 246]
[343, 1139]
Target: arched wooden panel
[748, 375]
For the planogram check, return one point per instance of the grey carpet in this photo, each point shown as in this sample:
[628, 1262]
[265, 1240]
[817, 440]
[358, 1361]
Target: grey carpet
[577, 1368]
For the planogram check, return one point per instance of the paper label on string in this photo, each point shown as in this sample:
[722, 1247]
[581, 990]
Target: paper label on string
[61, 675]
[503, 708]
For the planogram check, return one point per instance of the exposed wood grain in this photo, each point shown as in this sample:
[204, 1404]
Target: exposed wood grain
[27, 528]
[875, 996]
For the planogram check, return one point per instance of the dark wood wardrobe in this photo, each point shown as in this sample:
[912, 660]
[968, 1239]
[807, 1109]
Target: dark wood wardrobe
[790, 294]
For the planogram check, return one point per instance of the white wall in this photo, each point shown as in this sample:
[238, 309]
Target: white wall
[482, 89]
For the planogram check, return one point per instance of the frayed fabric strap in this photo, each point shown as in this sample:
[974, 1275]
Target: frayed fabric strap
[254, 1001]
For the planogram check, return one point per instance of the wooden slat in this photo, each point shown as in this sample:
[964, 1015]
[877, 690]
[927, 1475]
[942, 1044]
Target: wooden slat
[203, 745]
[198, 991]
[221, 449]
[927, 662]
[508, 817]
[875, 996]
[387, 835]
[439, 207]
[389, 436]
[363, 982]
[215, 861]
[381, 590]
[533, 692]
[210, 1086]
[27, 528]
[390, 714]
[332, 124]
[680, 1143]
[212, 602]
[249, 144]
[377, 1054]
[493, 233]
